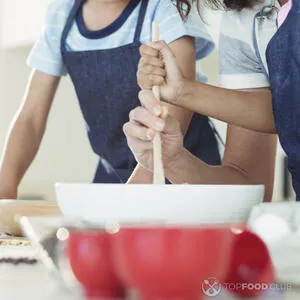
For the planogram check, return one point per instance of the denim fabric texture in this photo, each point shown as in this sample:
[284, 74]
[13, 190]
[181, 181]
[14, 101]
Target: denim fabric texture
[106, 86]
[283, 57]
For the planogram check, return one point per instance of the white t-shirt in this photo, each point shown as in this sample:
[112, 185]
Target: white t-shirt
[46, 54]
[240, 64]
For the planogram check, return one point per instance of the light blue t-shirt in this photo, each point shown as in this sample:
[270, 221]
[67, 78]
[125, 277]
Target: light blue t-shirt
[46, 54]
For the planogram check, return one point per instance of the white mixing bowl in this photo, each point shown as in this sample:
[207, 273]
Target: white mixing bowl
[172, 204]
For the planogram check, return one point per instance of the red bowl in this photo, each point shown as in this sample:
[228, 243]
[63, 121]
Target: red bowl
[171, 263]
[90, 258]
[251, 270]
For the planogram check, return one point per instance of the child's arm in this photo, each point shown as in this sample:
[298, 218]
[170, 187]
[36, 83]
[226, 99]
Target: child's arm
[26, 132]
[250, 110]
[185, 56]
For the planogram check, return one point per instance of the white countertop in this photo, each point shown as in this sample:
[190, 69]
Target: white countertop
[23, 281]
[33, 282]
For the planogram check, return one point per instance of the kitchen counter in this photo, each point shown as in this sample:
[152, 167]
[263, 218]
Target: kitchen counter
[24, 281]
[34, 283]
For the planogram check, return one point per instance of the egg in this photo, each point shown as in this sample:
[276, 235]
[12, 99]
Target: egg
[270, 228]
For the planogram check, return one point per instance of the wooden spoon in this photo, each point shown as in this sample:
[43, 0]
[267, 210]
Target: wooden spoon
[12, 210]
[158, 169]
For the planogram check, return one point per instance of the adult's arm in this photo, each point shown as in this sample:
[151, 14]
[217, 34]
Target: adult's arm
[249, 156]
[249, 159]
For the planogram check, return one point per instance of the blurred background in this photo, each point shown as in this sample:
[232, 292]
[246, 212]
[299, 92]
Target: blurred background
[65, 154]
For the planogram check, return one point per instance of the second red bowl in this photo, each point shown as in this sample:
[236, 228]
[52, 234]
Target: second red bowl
[171, 263]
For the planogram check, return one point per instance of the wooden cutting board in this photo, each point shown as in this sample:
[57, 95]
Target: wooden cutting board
[12, 210]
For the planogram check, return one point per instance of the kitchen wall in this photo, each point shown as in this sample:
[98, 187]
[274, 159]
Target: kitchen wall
[65, 155]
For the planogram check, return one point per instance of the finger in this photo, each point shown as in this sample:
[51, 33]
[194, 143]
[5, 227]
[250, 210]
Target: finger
[144, 117]
[163, 48]
[150, 80]
[149, 51]
[133, 130]
[148, 100]
[153, 70]
[139, 146]
[149, 60]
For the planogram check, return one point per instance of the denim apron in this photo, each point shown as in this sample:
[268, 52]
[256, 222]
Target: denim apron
[106, 86]
[283, 57]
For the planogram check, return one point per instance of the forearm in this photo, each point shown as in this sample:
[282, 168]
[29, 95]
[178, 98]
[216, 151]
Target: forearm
[187, 168]
[26, 132]
[140, 176]
[20, 149]
[248, 109]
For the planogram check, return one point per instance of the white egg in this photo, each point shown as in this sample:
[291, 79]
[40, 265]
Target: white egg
[270, 228]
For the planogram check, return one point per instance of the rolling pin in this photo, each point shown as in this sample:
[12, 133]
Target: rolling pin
[12, 210]
[158, 168]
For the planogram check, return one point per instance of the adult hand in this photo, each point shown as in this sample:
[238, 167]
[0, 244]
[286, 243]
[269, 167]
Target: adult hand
[145, 121]
[158, 66]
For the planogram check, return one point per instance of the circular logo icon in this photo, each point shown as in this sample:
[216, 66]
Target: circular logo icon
[211, 287]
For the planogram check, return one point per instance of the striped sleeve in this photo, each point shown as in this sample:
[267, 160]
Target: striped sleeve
[172, 27]
[239, 65]
[46, 54]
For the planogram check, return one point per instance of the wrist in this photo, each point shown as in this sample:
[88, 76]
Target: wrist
[8, 194]
[140, 175]
[173, 171]
[172, 162]
[145, 168]
[184, 91]
[8, 190]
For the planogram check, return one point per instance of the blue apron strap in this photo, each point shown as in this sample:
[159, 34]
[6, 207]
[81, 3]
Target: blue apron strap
[255, 43]
[69, 23]
[140, 21]
[266, 15]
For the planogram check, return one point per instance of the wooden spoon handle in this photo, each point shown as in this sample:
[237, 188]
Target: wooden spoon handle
[158, 169]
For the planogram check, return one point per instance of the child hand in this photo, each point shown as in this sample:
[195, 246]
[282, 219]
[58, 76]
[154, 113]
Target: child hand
[158, 66]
